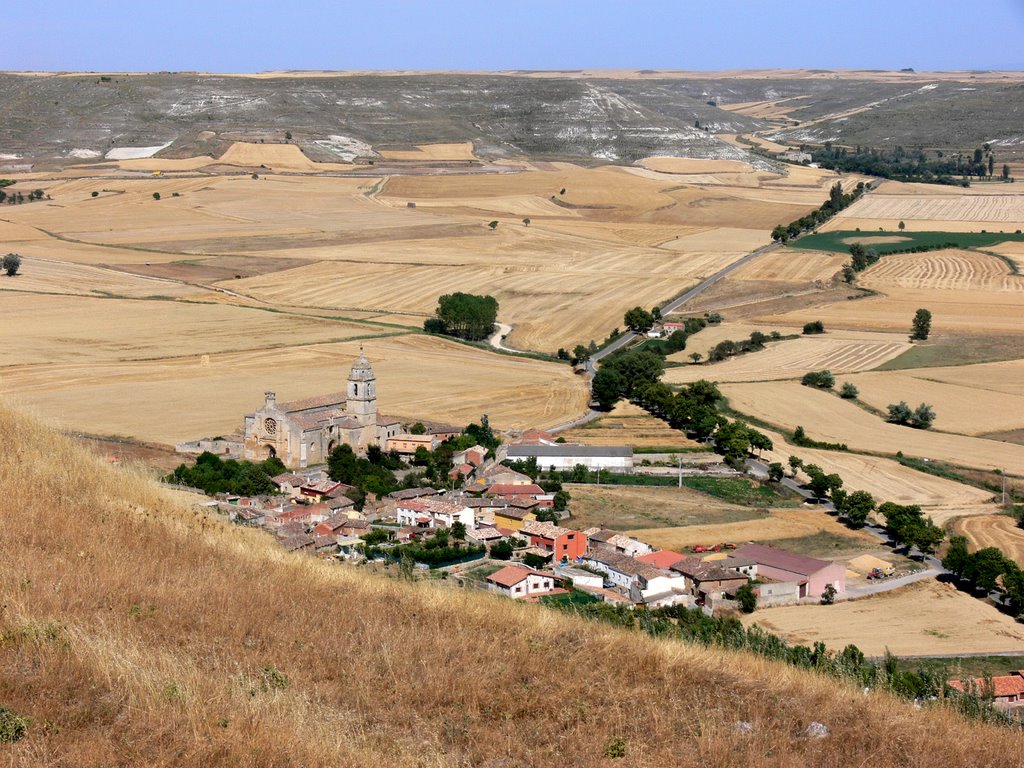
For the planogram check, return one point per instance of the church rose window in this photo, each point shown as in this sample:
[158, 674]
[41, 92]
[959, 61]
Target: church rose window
[270, 426]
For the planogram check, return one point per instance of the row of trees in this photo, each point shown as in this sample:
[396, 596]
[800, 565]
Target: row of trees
[913, 165]
[464, 315]
[987, 569]
[729, 348]
[837, 201]
[16, 198]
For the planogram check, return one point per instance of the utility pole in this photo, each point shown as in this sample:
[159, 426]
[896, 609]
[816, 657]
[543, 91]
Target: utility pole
[680, 470]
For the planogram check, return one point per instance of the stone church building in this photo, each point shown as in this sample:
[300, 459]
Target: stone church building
[304, 432]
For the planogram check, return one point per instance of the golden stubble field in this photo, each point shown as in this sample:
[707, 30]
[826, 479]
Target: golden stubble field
[925, 618]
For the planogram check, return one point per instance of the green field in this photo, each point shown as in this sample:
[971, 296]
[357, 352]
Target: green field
[738, 490]
[833, 241]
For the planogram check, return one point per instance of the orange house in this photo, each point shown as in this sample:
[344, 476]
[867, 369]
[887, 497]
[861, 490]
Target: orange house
[562, 543]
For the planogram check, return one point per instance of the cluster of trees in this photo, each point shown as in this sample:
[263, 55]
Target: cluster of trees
[921, 417]
[11, 264]
[837, 201]
[16, 198]
[801, 439]
[464, 315]
[443, 548]
[639, 320]
[213, 475]
[987, 569]
[820, 379]
[913, 165]
[814, 327]
[623, 372]
[729, 348]
[579, 354]
[373, 473]
[907, 524]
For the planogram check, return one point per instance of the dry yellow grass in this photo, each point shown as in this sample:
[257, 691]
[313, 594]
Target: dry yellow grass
[925, 618]
[837, 351]
[645, 509]
[628, 424]
[1006, 376]
[170, 399]
[916, 209]
[57, 277]
[686, 165]
[828, 418]
[137, 631]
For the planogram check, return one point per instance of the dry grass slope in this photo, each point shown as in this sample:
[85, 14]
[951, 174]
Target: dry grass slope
[138, 631]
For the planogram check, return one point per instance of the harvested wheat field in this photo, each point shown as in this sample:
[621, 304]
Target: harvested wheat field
[885, 479]
[171, 399]
[967, 292]
[686, 165]
[828, 418]
[969, 408]
[926, 618]
[628, 424]
[837, 351]
[60, 277]
[995, 530]
[459, 151]
[1006, 376]
[780, 524]
[941, 212]
[650, 507]
[789, 265]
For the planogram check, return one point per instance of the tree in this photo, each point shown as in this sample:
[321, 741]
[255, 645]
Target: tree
[287, 135]
[561, 500]
[526, 221]
[902, 226]
[776, 472]
[816, 327]
[11, 264]
[819, 379]
[984, 567]
[501, 550]
[921, 326]
[828, 595]
[418, 429]
[696, 356]
[156, 195]
[607, 387]
[1006, 172]
[458, 530]
[991, 165]
[856, 508]
[713, 318]
[795, 463]
[638, 320]
[849, 391]
[493, 225]
[580, 354]
[956, 556]
[900, 413]
[422, 456]
[780, 234]
[923, 418]
[747, 598]
[95, 193]
[821, 484]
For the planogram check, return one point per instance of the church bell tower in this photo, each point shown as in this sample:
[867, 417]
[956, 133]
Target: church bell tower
[362, 392]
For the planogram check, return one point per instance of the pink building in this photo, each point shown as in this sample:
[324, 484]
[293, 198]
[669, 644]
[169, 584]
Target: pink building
[810, 574]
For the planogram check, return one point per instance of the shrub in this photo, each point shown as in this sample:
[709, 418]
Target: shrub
[156, 195]
[12, 726]
[819, 379]
[747, 598]
[816, 327]
[849, 391]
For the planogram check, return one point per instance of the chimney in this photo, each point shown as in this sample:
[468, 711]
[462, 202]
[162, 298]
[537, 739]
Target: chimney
[271, 400]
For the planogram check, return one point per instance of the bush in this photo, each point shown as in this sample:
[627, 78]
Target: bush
[816, 327]
[12, 726]
[849, 391]
[747, 598]
[156, 195]
[11, 264]
[819, 379]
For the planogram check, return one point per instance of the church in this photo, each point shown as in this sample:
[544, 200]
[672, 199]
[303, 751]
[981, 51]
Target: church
[303, 433]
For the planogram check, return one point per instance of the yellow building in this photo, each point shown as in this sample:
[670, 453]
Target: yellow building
[513, 518]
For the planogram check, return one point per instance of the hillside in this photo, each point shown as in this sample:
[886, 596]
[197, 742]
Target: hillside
[135, 630]
[75, 118]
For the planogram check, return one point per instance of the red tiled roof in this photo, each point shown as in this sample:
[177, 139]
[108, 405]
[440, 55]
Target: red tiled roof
[1003, 685]
[663, 558]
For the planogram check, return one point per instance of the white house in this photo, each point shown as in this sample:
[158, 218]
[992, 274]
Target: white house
[614, 458]
[515, 581]
[643, 582]
[433, 513]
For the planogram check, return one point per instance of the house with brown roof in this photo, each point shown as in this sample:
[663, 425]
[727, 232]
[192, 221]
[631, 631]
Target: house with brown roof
[707, 578]
[617, 542]
[514, 517]
[515, 581]
[406, 443]
[428, 512]
[811, 574]
[1007, 691]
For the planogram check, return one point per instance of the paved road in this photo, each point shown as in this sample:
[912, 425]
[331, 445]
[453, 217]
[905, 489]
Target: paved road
[677, 302]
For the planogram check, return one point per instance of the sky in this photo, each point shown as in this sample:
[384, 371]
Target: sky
[256, 35]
